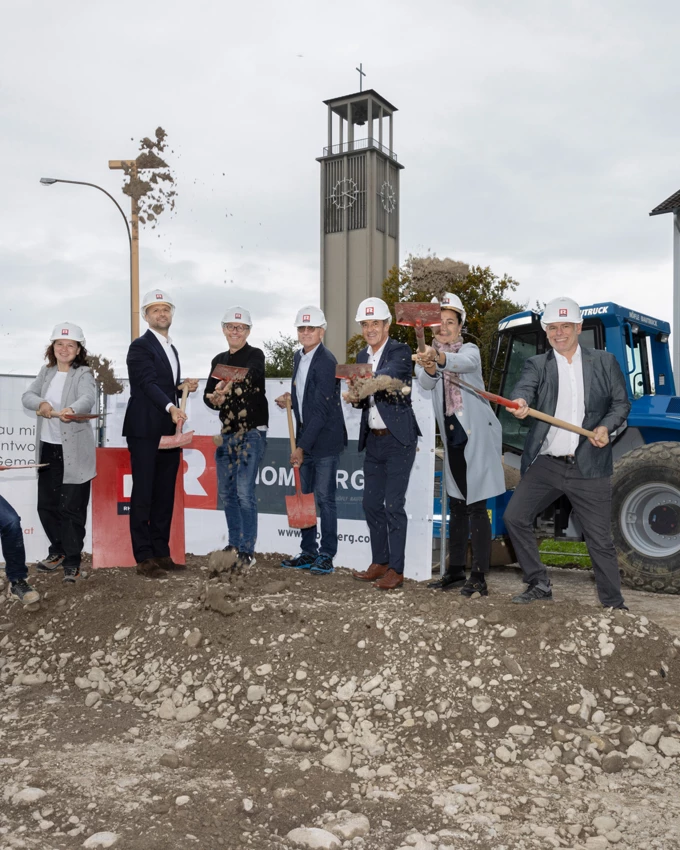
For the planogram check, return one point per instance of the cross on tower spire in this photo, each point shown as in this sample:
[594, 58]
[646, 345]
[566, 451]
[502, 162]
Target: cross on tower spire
[362, 74]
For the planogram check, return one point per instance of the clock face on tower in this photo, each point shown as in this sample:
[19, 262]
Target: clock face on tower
[344, 193]
[388, 197]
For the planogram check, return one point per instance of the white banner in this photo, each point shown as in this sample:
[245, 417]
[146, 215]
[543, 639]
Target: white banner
[205, 524]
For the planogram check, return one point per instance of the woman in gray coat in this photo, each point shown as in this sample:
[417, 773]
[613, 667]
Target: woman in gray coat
[63, 389]
[471, 434]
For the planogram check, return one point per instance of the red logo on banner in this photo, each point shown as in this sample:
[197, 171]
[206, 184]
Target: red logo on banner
[200, 475]
[563, 312]
[306, 318]
[370, 311]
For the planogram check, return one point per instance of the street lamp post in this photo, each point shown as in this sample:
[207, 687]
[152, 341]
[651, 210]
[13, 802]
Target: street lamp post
[133, 244]
[130, 166]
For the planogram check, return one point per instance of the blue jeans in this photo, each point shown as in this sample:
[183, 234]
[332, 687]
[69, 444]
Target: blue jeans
[12, 540]
[318, 476]
[237, 461]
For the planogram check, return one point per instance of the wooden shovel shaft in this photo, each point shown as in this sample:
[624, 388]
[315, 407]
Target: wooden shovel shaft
[291, 430]
[506, 402]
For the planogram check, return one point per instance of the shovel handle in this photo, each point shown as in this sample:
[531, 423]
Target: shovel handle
[420, 335]
[291, 432]
[185, 395]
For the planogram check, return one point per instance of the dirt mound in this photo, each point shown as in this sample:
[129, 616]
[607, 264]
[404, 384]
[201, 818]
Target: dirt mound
[236, 710]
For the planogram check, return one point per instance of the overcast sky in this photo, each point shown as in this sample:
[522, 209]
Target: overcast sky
[536, 137]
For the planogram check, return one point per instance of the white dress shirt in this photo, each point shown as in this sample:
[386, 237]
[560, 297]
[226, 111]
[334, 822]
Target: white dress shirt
[570, 406]
[166, 342]
[51, 429]
[301, 377]
[375, 420]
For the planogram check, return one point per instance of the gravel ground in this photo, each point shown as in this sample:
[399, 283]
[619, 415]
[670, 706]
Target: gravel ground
[277, 709]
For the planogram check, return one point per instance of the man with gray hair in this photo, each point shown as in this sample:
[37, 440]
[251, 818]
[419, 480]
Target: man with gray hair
[585, 387]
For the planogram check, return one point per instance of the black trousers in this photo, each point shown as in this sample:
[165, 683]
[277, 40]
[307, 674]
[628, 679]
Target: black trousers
[154, 473]
[62, 508]
[468, 522]
[545, 480]
[387, 469]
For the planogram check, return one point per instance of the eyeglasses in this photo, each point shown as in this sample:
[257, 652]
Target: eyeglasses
[309, 328]
[240, 329]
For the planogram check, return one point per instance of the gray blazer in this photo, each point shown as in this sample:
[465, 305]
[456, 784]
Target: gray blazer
[606, 403]
[77, 438]
[485, 477]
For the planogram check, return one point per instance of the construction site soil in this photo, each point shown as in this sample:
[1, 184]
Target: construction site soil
[279, 709]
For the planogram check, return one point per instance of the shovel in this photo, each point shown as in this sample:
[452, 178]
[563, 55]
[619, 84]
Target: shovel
[418, 315]
[27, 466]
[225, 373]
[352, 371]
[301, 508]
[82, 417]
[178, 439]
[506, 402]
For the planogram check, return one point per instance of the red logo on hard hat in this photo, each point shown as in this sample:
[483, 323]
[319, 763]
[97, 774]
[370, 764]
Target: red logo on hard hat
[159, 296]
[64, 331]
[564, 312]
[237, 315]
[370, 311]
[306, 318]
[446, 300]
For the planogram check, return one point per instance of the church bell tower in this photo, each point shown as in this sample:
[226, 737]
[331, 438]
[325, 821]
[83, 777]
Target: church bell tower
[359, 209]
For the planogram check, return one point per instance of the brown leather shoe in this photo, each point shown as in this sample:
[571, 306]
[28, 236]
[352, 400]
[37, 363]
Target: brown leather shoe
[166, 563]
[149, 569]
[390, 581]
[372, 573]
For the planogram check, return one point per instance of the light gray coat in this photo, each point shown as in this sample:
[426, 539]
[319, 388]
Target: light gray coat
[483, 452]
[77, 438]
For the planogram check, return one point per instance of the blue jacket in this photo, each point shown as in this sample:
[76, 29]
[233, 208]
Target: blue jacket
[322, 432]
[152, 388]
[394, 408]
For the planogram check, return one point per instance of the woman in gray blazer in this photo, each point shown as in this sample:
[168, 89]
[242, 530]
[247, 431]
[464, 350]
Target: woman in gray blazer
[63, 388]
[471, 433]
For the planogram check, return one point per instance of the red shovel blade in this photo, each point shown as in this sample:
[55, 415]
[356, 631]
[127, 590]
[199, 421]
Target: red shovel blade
[223, 372]
[301, 508]
[418, 314]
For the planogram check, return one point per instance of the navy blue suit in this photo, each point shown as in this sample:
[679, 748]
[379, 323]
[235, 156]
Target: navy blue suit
[389, 457]
[154, 471]
[322, 436]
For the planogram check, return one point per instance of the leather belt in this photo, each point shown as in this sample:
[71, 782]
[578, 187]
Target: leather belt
[568, 459]
[380, 432]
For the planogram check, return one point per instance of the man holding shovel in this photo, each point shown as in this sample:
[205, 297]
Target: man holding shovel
[153, 412]
[389, 434]
[584, 387]
[244, 415]
[321, 437]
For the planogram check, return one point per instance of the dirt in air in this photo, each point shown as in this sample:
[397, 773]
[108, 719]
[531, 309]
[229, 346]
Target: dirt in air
[102, 369]
[437, 275]
[150, 181]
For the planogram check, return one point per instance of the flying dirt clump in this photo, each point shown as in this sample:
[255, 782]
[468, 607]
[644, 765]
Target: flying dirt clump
[432, 274]
[363, 387]
[157, 194]
[102, 369]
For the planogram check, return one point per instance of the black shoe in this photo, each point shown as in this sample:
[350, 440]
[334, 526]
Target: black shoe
[533, 593]
[230, 549]
[620, 607]
[71, 574]
[452, 578]
[49, 564]
[475, 585]
[303, 561]
[243, 561]
[23, 591]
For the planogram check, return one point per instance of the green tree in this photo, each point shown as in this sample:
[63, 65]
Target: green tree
[279, 356]
[485, 295]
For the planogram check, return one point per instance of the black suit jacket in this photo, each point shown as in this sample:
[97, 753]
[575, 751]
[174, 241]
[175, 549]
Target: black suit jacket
[606, 403]
[152, 388]
[394, 407]
[323, 430]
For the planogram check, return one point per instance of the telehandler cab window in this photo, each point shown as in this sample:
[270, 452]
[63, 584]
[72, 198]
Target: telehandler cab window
[515, 430]
[637, 359]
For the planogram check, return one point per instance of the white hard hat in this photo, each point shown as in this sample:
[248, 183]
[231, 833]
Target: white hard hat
[310, 317]
[156, 296]
[67, 330]
[450, 301]
[237, 314]
[561, 310]
[372, 308]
